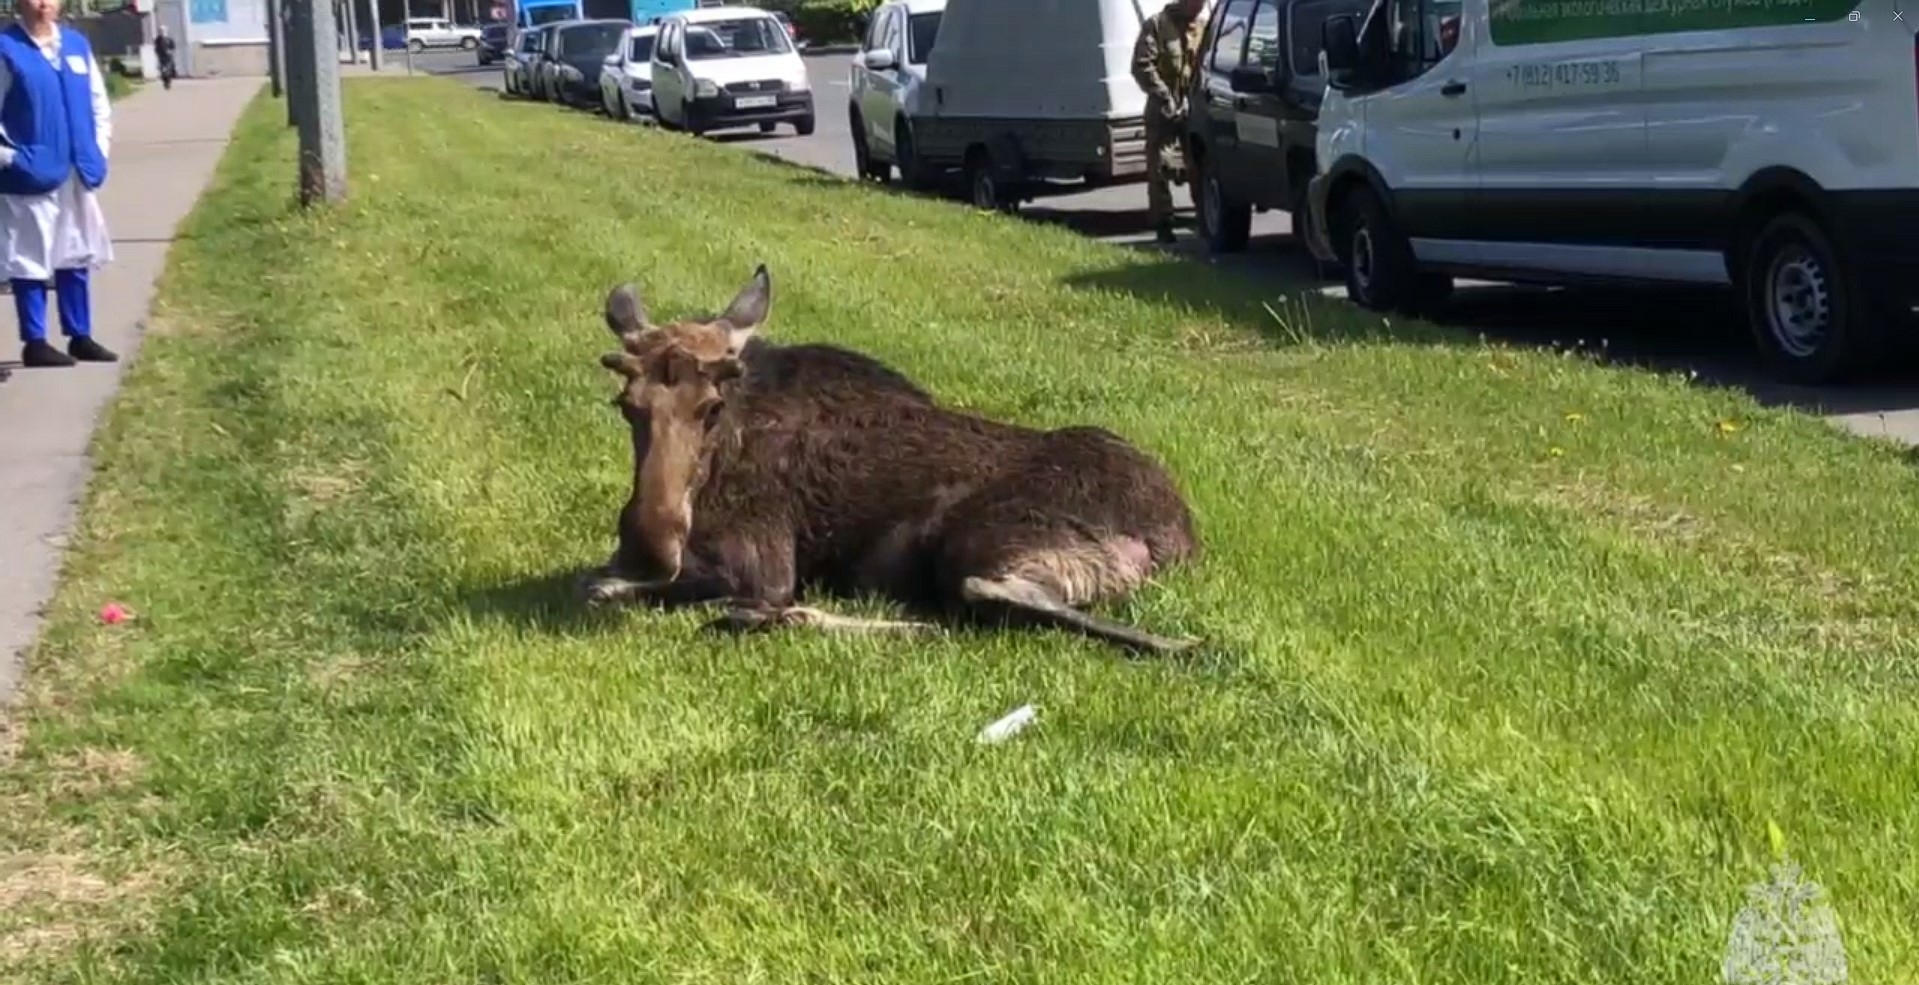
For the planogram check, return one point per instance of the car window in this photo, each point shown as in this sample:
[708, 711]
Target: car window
[890, 39]
[872, 40]
[1230, 41]
[922, 31]
[1262, 39]
[1308, 33]
[641, 48]
[1416, 32]
[595, 41]
[737, 38]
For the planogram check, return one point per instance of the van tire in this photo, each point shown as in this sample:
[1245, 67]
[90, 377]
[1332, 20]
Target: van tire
[1381, 274]
[1225, 223]
[805, 125]
[1807, 315]
[985, 187]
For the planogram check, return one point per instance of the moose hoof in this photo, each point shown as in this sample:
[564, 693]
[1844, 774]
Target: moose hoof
[604, 589]
[760, 618]
[754, 619]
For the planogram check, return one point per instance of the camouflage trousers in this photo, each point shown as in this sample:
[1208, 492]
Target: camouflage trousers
[1166, 166]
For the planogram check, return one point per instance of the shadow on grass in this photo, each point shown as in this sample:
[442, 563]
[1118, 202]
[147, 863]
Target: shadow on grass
[551, 603]
[548, 602]
[1697, 332]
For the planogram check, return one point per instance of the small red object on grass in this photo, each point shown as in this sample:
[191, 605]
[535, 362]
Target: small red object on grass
[113, 613]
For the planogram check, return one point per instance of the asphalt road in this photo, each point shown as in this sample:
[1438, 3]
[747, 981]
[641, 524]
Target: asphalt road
[1672, 331]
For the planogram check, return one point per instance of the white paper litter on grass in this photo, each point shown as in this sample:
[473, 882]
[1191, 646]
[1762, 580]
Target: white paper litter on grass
[1009, 726]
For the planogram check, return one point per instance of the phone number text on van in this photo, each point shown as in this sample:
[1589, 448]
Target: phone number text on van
[1564, 75]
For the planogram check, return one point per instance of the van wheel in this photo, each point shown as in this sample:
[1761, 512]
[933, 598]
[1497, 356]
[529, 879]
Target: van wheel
[805, 126]
[416, 46]
[1804, 309]
[1381, 274]
[984, 188]
[469, 43]
[1225, 223]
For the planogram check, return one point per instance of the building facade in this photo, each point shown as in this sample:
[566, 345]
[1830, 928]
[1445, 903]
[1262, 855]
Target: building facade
[216, 37]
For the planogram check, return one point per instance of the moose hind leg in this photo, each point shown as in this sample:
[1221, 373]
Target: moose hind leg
[764, 618]
[1045, 587]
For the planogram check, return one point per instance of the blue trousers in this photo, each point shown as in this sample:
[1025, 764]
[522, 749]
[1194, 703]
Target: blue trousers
[76, 310]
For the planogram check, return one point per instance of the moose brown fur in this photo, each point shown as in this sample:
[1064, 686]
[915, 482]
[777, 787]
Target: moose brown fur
[761, 468]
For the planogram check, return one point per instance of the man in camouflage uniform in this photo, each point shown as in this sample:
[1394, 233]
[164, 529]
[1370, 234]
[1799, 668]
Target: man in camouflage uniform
[1164, 59]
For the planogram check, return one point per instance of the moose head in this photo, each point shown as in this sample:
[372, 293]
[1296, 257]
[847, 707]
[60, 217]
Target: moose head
[676, 381]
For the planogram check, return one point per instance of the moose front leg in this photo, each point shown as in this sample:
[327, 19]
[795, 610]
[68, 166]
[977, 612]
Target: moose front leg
[737, 573]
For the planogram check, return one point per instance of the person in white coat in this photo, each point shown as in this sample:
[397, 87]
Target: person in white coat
[56, 124]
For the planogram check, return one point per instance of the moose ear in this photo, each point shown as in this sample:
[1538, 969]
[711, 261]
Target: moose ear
[625, 316]
[749, 308]
[621, 363]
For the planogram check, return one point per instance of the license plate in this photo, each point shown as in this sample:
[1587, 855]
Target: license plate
[755, 102]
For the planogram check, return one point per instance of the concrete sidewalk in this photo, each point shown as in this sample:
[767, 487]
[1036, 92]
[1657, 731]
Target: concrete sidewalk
[165, 147]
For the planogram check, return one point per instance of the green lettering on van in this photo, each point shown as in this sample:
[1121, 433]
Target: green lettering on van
[1517, 22]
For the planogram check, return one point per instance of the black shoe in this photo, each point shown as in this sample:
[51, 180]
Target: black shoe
[86, 350]
[1164, 233]
[39, 355]
[5, 374]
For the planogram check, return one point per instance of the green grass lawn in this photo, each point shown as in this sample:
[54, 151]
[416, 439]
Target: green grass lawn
[1517, 657]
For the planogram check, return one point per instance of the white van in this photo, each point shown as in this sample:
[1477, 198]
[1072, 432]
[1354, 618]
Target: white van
[719, 67]
[1768, 147]
[1018, 93]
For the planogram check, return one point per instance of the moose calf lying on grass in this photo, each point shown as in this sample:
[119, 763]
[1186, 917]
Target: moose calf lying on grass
[759, 468]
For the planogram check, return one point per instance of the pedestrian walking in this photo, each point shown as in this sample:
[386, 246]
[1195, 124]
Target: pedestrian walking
[163, 50]
[55, 127]
[1163, 60]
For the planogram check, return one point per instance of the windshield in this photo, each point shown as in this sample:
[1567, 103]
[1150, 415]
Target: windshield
[641, 48]
[736, 38]
[925, 28]
[548, 14]
[595, 41]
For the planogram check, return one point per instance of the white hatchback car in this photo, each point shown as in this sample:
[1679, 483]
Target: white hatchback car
[721, 67]
[626, 80]
[887, 76]
[437, 32]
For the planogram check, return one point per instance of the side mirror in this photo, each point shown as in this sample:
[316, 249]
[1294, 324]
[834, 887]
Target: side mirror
[1250, 79]
[1340, 38]
[611, 61]
[878, 60]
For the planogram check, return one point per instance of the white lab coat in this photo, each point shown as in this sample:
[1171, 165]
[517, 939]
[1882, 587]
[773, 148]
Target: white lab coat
[64, 228]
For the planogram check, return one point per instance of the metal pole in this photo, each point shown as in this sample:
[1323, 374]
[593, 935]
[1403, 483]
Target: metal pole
[315, 45]
[376, 48]
[352, 33]
[276, 49]
[287, 61]
[406, 14]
